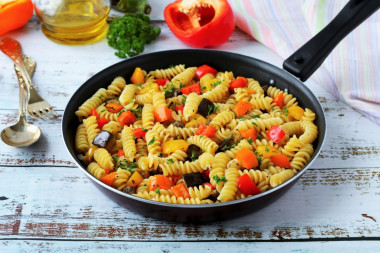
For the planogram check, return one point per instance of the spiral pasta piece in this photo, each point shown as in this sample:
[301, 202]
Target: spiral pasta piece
[218, 93]
[291, 147]
[141, 148]
[81, 143]
[146, 98]
[158, 100]
[183, 78]
[104, 159]
[222, 119]
[149, 163]
[104, 113]
[255, 85]
[206, 160]
[302, 157]
[277, 179]
[168, 72]
[191, 105]
[154, 144]
[200, 192]
[128, 94]
[241, 94]
[92, 129]
[217, 171]
[116, 87]
[292, 128]
[122, 177]
[128, 141]
[204, 143]
[231, 186]
[289, 100]
[180, 200]
[310, 132]
[95, 170]
[179, 132]
[92, 103]
[259, 101]
[309, 115]
[148, 117]
[180, 168]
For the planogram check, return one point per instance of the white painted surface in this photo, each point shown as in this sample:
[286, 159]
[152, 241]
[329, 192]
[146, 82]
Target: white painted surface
[49, 205]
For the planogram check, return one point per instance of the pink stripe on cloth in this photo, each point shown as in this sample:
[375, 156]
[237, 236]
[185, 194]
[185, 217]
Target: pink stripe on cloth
[351, 72]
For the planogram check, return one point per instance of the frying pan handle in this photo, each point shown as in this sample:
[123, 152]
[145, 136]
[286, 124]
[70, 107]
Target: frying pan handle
[306, 60]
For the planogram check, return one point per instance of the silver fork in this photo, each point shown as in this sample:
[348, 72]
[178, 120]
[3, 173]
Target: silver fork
[37, 107]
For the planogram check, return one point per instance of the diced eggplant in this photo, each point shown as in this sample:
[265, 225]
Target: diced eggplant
[102, 138]
[177, 93]
[265, 88]
[193, 152]
[129, 190]
[194, 179]
[206, 107]
[179, 124]
[226, 145]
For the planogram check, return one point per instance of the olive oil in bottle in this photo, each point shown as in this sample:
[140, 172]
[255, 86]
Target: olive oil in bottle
[73, 22]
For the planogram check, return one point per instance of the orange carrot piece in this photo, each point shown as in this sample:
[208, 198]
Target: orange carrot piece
[109, 179]
[247, 158]
[242, 107]
[280, 160]
[180, 190]
[250, 133]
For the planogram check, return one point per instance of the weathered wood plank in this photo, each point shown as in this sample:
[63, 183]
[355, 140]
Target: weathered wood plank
[61, 203]
[347, 144]
[9, 246]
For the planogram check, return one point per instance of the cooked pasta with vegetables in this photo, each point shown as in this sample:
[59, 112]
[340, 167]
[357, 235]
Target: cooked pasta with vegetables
[193, 135]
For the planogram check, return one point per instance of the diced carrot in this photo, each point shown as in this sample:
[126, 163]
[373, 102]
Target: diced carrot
[250, 133]
[135, 179]
[242, 107]
[162, 114]
[180, 190]
[280, 160]
[279, 99]
[247, 158]
[159, 181]
[137, 76]
[120, 153]
[109, 179]
[126, 118]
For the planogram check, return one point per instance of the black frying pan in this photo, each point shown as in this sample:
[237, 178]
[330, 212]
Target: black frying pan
[302, 64]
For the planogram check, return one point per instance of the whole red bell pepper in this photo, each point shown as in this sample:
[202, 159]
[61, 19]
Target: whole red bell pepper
[201, 23]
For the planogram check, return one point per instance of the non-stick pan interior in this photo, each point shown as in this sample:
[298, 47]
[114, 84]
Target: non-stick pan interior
[241, 65]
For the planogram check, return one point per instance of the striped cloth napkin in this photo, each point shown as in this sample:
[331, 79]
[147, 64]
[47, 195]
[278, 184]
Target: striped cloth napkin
[351, 72]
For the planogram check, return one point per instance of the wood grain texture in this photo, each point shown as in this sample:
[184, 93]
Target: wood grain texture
[9, 246]
[61, 203]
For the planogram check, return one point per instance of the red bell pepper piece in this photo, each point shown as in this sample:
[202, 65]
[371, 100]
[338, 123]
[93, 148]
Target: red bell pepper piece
[162, 81]
[101, 122]
[191, 88]
[179, 108]
[209, 185]
[126, 118]
[94, 113]
[276, 134]
[208, 131]
[159, 181]
[203, 70]
[279, 99]
[162, 114]
[247, 186]
[139, 133]
[120, 153]
[114, 108]
[239, 82]
[109, 179]
[202, 24]
[280, 160]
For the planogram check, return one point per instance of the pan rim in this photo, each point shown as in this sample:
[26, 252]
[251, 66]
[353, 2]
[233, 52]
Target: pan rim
[321, 135]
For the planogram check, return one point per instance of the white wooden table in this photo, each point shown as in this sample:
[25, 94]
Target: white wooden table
[48, 205]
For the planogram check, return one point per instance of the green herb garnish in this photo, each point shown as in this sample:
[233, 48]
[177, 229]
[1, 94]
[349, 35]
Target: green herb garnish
[219, 179]
[170, 160]
[151, 141]
[129, 34]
